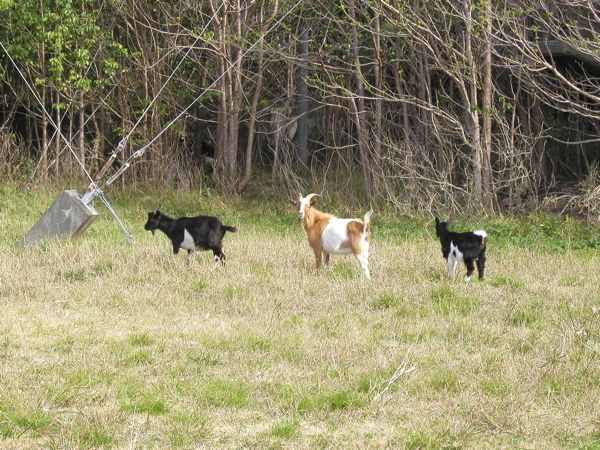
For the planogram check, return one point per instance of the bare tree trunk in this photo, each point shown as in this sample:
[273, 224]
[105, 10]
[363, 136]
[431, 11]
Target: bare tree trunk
[487, 110]
[424, 130]
[221, 127]
[377, 132]
[358, 106]
[252, 125]
[472, 111]
[302, 106]
[254, 107]
[540, 161]
[235, 105]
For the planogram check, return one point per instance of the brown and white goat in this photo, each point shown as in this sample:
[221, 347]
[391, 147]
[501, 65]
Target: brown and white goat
[329, 235]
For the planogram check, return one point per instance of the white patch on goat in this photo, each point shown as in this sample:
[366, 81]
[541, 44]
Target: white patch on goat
[481, 233]
[188, 241]
[334, 235]
[454, 257]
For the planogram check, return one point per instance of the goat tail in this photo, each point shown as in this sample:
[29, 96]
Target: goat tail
[228, 228]
[367, 222]
[483, 235]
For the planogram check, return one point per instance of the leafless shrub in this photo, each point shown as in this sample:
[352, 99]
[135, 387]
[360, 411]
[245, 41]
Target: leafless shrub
[586, 200]
[13, 163]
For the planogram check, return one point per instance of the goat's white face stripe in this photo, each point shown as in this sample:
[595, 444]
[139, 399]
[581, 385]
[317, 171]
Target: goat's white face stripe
[188, 241]
[303, 204]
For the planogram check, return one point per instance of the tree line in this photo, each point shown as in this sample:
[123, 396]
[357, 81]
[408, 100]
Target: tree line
[417, 103]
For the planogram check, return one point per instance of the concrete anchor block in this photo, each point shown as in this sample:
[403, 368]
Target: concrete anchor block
[67, 217]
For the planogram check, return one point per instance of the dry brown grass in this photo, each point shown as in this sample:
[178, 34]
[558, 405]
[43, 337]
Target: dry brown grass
[103, 344]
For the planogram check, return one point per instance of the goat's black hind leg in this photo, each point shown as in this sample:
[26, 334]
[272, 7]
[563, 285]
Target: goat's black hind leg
[470, 269]
[481, 265]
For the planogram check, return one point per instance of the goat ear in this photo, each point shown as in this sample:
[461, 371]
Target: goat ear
[294, 202]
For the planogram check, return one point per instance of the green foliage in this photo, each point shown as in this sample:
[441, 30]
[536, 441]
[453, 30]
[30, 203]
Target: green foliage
[60, 44]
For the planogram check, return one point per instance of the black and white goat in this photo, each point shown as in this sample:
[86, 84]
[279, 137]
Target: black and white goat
[191, 233]
[468, 247]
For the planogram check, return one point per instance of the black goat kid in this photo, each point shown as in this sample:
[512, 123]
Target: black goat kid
[191, 233]
[467, 247]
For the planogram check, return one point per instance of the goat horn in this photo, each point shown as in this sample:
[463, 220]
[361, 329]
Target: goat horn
[310, 198]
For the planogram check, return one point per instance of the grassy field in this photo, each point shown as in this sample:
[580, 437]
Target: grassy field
[108, 345]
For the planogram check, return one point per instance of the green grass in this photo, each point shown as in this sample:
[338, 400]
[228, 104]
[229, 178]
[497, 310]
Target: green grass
[385, 301]
[108, 345]
[95, 437]
[226, 393]
[135, 398]
[285, 430]
[18, 421]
